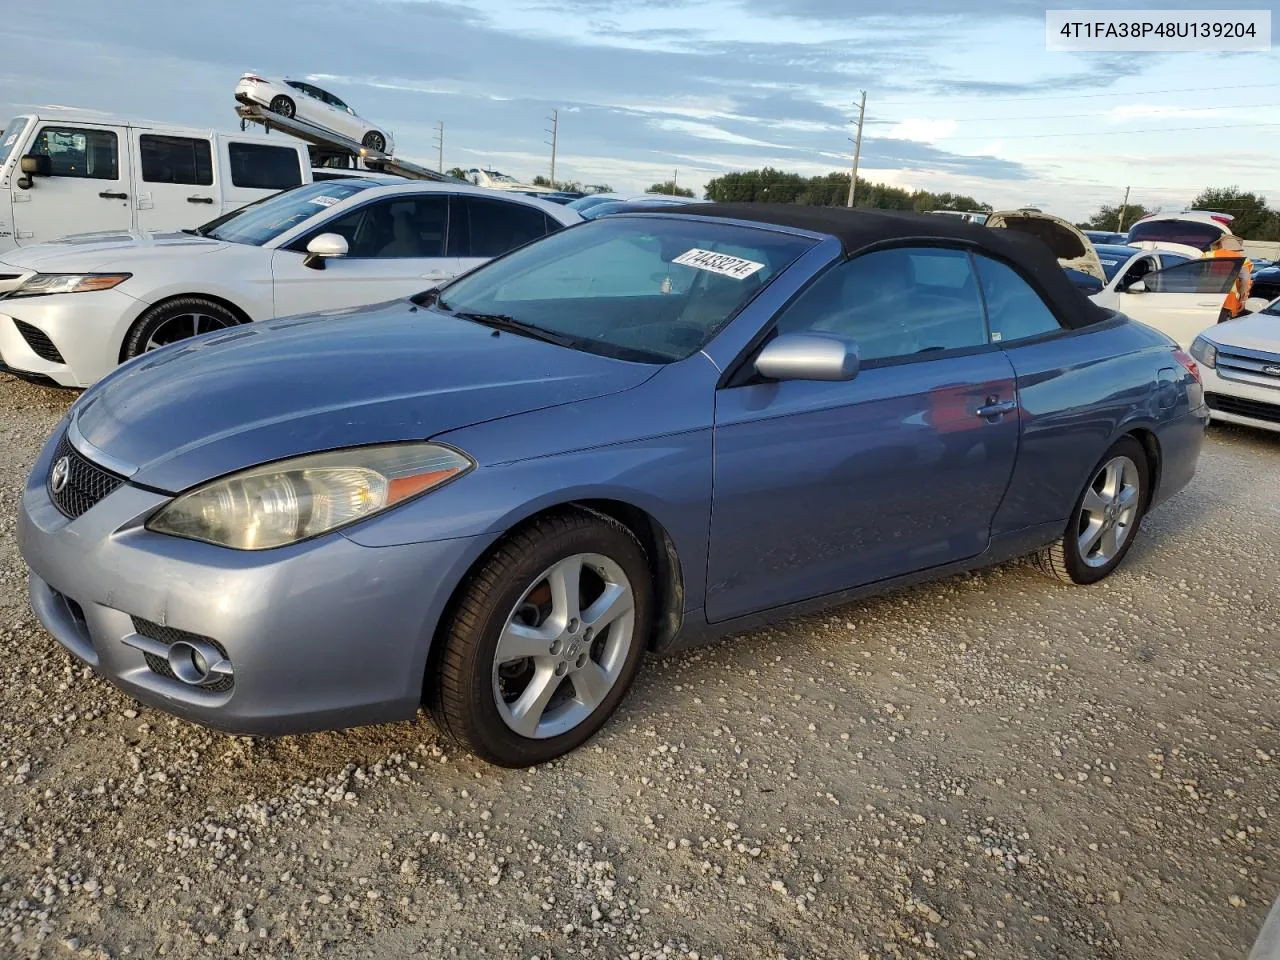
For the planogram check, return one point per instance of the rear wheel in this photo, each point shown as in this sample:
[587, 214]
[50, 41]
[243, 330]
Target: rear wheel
[1106, 517]
[175, 320]
[544, 640]
[375, 141]
[283, 105]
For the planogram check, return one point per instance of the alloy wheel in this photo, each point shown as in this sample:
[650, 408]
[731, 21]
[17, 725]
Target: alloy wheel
[564, 645]
[1109, 511]
[183, 326]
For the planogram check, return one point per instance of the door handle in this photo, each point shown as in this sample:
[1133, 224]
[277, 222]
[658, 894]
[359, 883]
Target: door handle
[996, 408]
[108, 195]
[1209, 303]
[199, 199]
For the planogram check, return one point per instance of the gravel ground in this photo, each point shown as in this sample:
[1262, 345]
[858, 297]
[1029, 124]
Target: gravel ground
[991, 766]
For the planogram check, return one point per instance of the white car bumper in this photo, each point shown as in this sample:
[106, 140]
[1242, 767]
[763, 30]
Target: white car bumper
[1239, 390]
[260, 93]
[73, 339]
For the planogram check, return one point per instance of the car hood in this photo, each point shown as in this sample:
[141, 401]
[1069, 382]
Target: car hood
[1253, 331]
[281, 388]
[1069, 245]
[97, 251]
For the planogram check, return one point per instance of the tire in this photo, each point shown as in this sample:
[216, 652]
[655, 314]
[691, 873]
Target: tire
[480, 681]
[173, 321]
[284, 106]
[1081, 558]
[375, 141]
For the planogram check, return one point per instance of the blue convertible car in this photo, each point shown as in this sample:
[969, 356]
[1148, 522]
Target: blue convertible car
[636, 434]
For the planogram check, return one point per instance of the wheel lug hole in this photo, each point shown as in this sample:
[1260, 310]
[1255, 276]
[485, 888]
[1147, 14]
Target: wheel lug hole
[582, 661]
[573, 625]
[561, 669]
[556, 647]
[589, 635]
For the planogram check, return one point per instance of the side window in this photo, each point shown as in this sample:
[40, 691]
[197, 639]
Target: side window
[1014, 310]
[385, 229]
[496, 226]
[91, 154]
[1137, 270]
[258, 166]
[176, 160]
[895, 303]
[1209, 276]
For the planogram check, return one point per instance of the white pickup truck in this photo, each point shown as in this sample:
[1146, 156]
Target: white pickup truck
[66, 173]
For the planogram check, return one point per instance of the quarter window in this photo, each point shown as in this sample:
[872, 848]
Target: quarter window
[91, 154]
[176, 160]
[899, 303]
[258, 166]
[1014, 310]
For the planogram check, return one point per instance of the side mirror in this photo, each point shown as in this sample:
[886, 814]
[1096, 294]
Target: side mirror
[808, 356]
[322, 247]
[34, 165]
[1138, 286]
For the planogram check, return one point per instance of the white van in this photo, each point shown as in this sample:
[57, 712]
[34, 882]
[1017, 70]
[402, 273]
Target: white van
[66, 173]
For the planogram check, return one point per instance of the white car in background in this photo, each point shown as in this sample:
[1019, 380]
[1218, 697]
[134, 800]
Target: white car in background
[72, 310]
[1240, 364]
[1178, 296]
[1189, 232]
[306, 101]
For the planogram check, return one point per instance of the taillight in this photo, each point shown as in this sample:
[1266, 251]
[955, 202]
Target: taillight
[1222, 220]
[1187, 361]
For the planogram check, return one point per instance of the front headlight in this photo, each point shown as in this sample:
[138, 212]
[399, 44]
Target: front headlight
[1205, 352]
[291, 500]
[43, 284]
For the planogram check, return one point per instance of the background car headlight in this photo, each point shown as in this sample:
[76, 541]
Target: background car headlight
[1204, 352]
[291, 500]
[43, 284]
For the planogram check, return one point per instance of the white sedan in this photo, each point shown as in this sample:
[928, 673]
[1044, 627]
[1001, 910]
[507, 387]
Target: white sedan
[306, 101]
[72, 310]
[1240, 361]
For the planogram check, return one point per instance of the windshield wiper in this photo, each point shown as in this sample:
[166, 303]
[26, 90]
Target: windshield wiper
[500, 321]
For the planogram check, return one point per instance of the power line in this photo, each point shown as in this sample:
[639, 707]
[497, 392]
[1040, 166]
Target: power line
[1069, 96]
[1077, 116]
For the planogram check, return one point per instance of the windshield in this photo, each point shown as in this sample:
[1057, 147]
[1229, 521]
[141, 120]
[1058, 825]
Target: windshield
[1191, 232]
[646, 288]
[267, 219]
[10, 137]
[586, 203]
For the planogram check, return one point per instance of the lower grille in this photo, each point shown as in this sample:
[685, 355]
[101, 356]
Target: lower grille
[1257, 409]
[86, 483]
[39, 342]
[169, 636]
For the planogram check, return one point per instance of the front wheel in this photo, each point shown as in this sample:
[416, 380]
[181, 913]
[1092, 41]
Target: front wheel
[175, 320]
[1106, 517]
[544, 641]
[375, 141]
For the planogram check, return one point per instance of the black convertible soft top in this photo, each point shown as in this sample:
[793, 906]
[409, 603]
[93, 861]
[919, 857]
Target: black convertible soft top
[858, 230]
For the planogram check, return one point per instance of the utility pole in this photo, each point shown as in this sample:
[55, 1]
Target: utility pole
[555, 136]
[675, 180]
[857, 148]
[440, 146]
[1124, 208]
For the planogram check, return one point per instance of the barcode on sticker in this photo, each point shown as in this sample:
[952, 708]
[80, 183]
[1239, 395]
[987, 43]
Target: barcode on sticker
[721, 263]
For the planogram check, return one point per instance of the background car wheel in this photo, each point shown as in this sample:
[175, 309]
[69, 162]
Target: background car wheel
[1106, 517]
[283, 105]
[544, 641]
[375, 141]
[175, 320]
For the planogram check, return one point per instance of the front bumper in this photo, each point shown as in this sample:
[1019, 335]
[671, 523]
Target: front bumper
[1236, 401]
[73, 339]
[321, 635]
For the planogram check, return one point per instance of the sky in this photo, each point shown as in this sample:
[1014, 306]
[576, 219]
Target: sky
[961, 95]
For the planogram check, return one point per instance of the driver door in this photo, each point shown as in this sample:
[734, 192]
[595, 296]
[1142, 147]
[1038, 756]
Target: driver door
[395, 248]
[1182, 300]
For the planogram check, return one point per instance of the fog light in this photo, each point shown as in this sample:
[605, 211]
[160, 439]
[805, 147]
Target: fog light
[196, 663]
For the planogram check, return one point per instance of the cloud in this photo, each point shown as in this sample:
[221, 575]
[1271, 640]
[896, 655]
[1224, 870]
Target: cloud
[707, 131]
[921, 129]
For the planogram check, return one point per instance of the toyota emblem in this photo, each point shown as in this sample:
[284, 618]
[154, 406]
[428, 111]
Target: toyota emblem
[60, 474]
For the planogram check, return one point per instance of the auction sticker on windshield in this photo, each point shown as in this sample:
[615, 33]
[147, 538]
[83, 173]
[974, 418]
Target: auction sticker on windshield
[721, 263]
[325, 201]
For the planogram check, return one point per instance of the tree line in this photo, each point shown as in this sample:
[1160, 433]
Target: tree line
[829, 190]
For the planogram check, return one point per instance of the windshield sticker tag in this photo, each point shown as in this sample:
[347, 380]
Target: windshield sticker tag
[720, 263]
[9, 141]
[325, 201]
